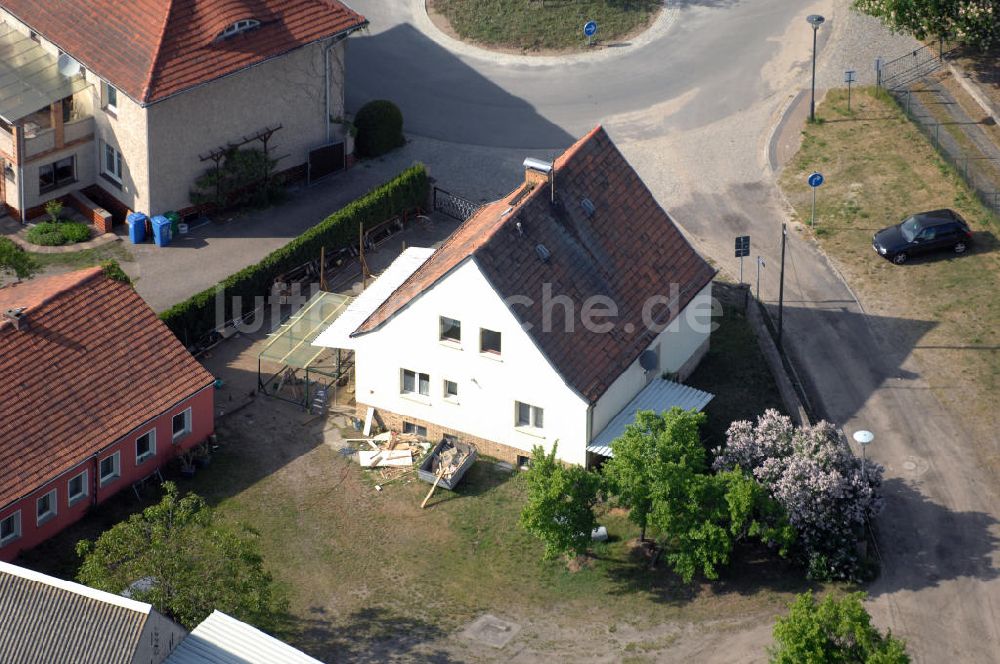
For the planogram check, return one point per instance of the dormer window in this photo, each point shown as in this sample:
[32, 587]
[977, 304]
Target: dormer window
[238, 27]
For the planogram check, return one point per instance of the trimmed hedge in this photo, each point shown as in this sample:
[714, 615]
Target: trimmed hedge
[54, 234]
[196, 316]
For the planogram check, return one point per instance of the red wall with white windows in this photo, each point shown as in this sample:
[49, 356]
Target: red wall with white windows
[202, 405]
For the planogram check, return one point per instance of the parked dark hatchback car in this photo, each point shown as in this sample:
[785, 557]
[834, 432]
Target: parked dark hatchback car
[922, 233]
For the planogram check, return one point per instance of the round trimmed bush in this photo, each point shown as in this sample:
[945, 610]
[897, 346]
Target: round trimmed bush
[380, 128]
[74, 231]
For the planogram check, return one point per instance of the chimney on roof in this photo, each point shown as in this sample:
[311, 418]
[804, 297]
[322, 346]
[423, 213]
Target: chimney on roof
[18, 317]
[538, 172]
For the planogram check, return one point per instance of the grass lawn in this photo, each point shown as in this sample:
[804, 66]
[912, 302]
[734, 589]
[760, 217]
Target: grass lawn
[80, 259]
[532, 25]
[372, 577]
[879, 169]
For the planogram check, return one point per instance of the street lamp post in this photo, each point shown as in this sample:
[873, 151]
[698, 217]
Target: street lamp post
[864, 439]
[815, 20]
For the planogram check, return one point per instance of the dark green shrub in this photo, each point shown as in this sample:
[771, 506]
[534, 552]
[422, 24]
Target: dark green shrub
[196, 316]
[74, 231]
[239, 181]
[49, 234]
[380, 128]
[112, 270]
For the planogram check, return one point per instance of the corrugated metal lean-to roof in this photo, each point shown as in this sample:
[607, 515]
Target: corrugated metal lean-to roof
[30, 79]
[221, 639]
[659, 395]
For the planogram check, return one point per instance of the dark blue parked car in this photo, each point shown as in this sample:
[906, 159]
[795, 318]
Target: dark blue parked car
[923, 232]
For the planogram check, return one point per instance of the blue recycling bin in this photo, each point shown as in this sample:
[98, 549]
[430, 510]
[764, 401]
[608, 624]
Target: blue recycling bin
[136, 227]
[161, 230]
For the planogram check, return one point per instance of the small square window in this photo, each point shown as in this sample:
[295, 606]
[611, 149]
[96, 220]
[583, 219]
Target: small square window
[46, 506]
[410, 427]
[77, 488]
[110, 468]
[145, 446]
[527, 415]
[451, 330]
[489, 341]
[450, 390]
[10, 528]
[181, 424]
[416, 383]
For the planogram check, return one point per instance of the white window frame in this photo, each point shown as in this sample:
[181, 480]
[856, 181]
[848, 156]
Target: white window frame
[536, 416]
[140, 459]
[16, 535]
[417, 382]
[109, 91]
[451, 398]
[456, 343]
[116, 473]
[487, 352]
[53, 498]
[119, 163]
[74, 499]
[177, 436]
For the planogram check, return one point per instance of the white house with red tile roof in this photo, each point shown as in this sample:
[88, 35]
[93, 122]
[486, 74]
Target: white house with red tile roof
[549, 315]
[98, 394]
[122, 100]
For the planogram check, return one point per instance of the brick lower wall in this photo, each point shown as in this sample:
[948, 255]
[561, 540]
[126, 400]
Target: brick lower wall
[435, 432]
[119, 211]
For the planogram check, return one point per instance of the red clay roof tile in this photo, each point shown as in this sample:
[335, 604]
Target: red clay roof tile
[628, 251]
[94, 363]
[152, 49]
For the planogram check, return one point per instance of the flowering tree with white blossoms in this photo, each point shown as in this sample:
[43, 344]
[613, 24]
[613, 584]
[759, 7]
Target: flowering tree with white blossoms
[812, 473]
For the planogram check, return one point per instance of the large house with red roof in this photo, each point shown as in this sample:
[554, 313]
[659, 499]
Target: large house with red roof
[552, 314]
[122, 104]
[97, 394]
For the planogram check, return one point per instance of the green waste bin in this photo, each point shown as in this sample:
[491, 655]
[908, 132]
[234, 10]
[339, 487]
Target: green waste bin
[175, 219]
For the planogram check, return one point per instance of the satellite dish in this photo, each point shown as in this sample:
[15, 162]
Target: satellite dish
[648, 360]
[68, 67]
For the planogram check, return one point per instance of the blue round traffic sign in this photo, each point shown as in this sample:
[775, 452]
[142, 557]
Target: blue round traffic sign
[590, 29]
[815, 179]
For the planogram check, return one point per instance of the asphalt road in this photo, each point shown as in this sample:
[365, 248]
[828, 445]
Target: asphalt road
[694, 110]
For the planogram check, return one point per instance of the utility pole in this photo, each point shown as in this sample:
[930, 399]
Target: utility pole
[781, 285]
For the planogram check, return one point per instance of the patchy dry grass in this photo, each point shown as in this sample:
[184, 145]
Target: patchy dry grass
[879, 169]
[532, 25]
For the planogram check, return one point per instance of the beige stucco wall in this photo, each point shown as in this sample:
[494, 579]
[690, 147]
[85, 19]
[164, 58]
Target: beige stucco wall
[285, 91]
[126, 129]
[85, 165]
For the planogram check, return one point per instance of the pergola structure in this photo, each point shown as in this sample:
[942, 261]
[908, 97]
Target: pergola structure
[291, 347]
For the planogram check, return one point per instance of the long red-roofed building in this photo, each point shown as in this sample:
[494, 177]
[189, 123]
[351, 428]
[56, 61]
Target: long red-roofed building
[97, 394]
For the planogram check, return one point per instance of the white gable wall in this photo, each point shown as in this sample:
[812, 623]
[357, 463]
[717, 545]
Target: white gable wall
[677, 344]
[487, 386]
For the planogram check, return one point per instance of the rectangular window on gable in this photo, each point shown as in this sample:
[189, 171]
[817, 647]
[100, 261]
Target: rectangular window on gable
[181, 424]
[111, 165]
[527, 415]
[46, 506]
[10, 528]
[450, 390]
[414, 382]
[110, 97]
[489, 341]
[451, 330]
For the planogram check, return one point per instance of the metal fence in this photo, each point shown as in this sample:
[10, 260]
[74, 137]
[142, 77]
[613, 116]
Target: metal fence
[976, 162]
[454, 206]
[904, 70]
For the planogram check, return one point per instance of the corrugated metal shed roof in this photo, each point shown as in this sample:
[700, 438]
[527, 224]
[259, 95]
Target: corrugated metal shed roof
[338, 335]
[45, 619]
[221, 639]
[292, 344]
[659, 395]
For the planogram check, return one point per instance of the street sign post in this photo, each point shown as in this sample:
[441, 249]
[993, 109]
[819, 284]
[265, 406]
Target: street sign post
[589, 30]
[849, 78]
[742, 250]
[760, 264]
[815, 180]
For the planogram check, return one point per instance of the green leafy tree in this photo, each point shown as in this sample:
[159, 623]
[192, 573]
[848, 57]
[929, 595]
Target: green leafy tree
[16, 261]
[560, 506]
[972, 22]
[192, 564]
[833, 631]
[632, 473]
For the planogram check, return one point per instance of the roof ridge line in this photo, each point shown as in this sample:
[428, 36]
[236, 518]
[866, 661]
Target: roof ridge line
[76, 588]
[148, 84]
